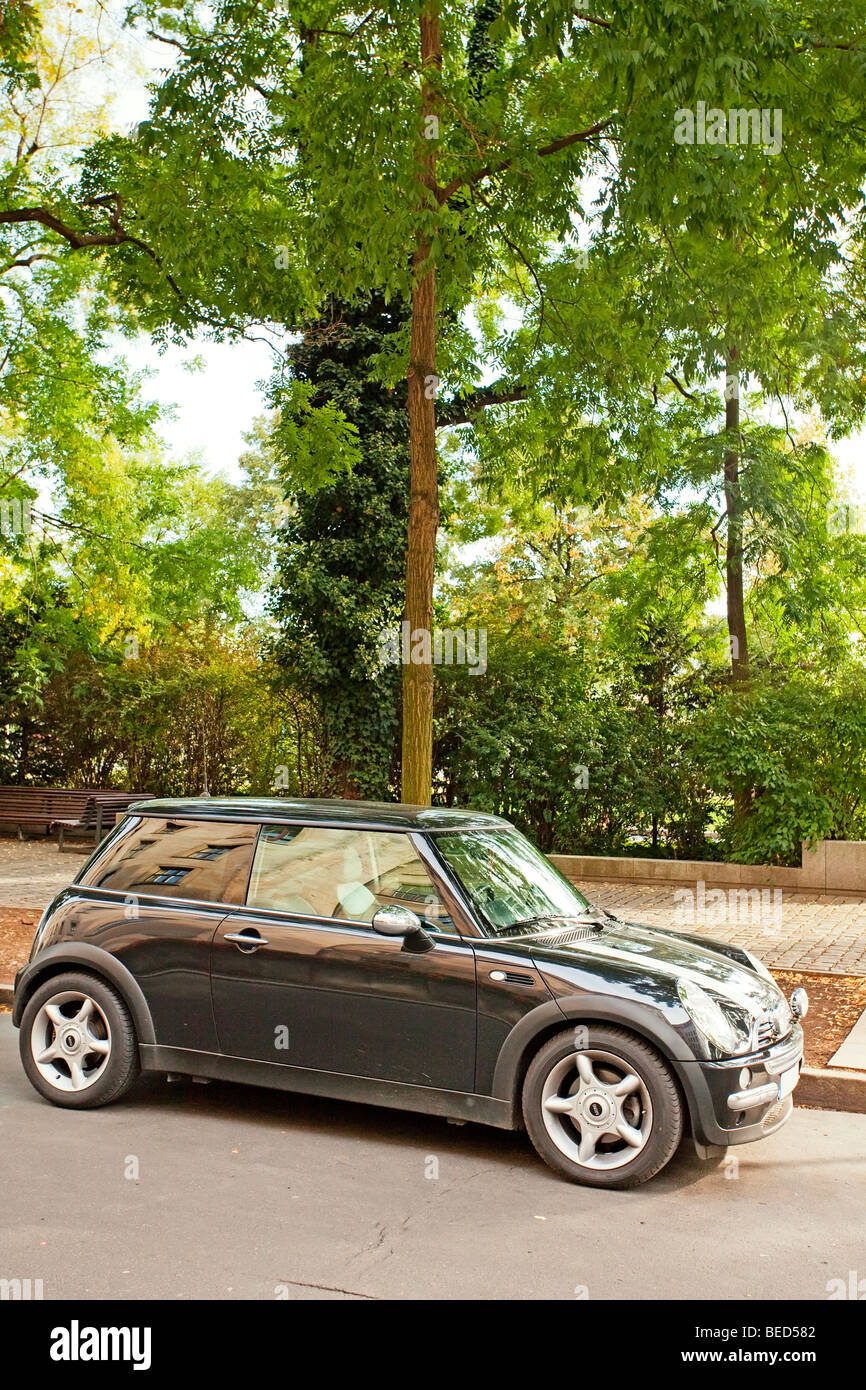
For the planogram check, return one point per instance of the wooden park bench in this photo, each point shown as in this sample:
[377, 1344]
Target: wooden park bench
[37, 808]
[98, 816]
[90, 811]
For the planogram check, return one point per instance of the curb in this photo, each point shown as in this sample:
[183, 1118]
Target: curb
[823, 1088]
[6, 995]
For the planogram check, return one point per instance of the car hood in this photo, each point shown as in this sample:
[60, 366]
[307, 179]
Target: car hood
[666, 955]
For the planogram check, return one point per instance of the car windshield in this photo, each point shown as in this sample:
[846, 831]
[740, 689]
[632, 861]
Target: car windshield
[509, 881]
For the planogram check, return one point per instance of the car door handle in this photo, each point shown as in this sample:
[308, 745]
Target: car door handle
[245, 939]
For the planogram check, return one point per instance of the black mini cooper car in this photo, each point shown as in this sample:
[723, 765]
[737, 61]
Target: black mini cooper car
[421, 958]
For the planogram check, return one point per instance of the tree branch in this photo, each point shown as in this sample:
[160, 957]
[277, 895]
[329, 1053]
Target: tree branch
[28, 260]
[591, 19]
[79, 241]
[682, 390]
[830, 43]
[463, 410]
[163, 38]
[564, 141]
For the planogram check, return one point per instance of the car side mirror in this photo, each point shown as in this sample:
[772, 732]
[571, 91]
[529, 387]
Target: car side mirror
[401, 921]
[395, 921]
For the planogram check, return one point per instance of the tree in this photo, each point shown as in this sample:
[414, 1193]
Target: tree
[794, 751]
[721, 293]
[53, 61]
[353, 153]
[437, 196]
[341, 550]
[600, 655]
[64, 394]
[134, 594]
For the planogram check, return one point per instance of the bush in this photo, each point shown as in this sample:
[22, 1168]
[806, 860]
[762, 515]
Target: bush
[582, 771]
[792, 761]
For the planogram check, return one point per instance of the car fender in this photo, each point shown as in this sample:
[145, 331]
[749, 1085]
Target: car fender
[99, 962]
[620, 1013]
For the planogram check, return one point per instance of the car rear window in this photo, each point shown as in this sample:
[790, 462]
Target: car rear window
[206, 861]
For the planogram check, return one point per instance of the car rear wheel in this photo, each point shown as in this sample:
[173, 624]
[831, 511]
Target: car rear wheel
[601, 1107]
[78, 1043]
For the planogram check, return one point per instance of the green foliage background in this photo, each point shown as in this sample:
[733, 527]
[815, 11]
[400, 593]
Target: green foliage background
[161, 628]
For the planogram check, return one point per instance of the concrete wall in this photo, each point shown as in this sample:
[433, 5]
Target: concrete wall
[833, 866]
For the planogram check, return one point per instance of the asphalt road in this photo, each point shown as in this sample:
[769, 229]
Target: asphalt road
[225, 1192]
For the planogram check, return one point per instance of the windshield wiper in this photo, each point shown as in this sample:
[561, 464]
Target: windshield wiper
[581, 919]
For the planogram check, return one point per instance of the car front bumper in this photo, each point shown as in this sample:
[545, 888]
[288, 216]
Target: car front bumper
[724, 1112]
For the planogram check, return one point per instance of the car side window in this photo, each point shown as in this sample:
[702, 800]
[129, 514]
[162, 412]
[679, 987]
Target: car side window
[202, 860]
[318, 871]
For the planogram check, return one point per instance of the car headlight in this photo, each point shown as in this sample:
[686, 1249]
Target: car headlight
[714, 1022]
[783, 1016]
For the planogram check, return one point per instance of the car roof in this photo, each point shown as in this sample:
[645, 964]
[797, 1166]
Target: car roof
[380, 815]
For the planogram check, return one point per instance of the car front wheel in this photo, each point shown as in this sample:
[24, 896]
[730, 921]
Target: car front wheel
[78, 1042]
[601, 1107]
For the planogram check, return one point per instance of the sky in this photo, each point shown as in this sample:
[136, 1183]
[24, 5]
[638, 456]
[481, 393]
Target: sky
[213, 407]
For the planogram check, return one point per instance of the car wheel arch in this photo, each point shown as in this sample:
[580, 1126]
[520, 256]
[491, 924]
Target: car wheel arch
[57, 959]
[540, 1024]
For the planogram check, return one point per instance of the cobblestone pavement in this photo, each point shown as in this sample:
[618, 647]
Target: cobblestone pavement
[787, 930]
[32, 871]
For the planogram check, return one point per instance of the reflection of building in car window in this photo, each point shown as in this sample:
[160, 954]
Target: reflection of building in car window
[167, 876]
[210, 863]
[411, 892]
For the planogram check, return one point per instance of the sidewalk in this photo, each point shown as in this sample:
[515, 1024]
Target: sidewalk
[32, 871]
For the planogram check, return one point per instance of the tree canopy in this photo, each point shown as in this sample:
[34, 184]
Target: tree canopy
[568, 313]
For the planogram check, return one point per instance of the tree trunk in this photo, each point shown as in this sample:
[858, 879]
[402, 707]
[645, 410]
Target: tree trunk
[737, 635]
[417, 769]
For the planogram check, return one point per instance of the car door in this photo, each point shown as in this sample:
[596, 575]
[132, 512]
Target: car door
[157, 896]
[317, 987]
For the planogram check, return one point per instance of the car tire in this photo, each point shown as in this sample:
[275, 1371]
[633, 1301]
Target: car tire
[601, 1107]
[77, 1042]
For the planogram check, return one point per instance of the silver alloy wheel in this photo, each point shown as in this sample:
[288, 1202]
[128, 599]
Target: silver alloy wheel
[70, 1041]
[597, 1109]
